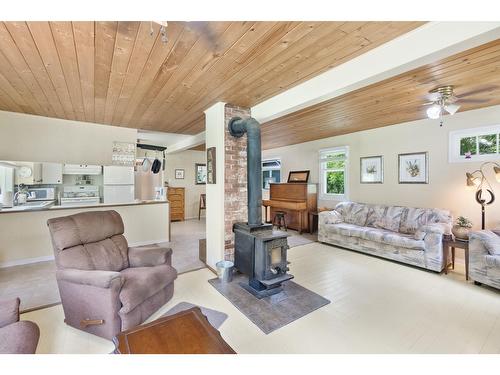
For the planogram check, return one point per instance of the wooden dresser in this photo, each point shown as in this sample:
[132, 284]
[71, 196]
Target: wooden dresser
[175, 196]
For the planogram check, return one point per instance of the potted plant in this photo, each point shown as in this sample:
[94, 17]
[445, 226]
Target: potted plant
[461, 228]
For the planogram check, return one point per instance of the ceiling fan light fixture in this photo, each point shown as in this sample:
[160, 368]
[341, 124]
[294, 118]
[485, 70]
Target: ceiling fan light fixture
[434, 111]
[451, 108]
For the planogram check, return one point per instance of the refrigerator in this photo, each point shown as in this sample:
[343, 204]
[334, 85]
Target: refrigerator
[118, 184]
[148, 185]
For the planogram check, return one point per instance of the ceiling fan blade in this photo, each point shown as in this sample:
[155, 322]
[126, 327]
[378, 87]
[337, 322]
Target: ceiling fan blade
[478, 101]
[477, 91]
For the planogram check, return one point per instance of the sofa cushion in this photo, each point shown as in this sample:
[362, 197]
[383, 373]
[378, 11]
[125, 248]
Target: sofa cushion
[19, 338]
[84, 227]
[491, 241]
[492, 260]
[393, 238]
[9, 311]
[345, 229]
[142, 283]
[412, 219]
[332, 217]
[353, 213]
[110, 254]
[385, 217]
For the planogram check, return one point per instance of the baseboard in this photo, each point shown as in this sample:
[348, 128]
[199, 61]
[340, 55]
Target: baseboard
[144, 243]
[20, 262]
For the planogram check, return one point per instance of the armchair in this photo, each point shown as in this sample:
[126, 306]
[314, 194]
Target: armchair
[16, 337]
[105, 285]
[484, 257]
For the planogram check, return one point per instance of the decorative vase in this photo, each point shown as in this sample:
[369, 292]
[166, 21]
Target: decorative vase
[461, 233]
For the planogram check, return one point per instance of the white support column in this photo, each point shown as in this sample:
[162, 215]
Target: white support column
[214, 137]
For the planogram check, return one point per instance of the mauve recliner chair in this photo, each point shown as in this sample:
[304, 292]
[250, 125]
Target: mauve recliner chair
[105, 286]
[16, 337]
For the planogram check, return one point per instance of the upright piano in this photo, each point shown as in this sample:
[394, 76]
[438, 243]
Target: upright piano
[295, 199]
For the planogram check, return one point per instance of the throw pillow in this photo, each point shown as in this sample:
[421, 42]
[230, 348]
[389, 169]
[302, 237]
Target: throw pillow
[333, 217]
[491, 242]
[387, 223]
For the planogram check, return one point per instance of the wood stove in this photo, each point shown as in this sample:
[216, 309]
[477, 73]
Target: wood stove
[260, 252]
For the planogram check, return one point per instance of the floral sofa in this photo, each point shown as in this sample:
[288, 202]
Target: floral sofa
[484, 257]
[405, 234]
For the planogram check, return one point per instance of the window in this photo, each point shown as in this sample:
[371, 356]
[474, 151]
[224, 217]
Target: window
[333, 164]
[479, 144]
[271, 172]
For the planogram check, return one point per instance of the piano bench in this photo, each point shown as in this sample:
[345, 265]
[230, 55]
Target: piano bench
[279, 219]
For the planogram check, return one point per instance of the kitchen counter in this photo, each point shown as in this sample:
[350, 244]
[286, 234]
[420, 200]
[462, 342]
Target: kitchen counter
[18, 209]
[25, 237]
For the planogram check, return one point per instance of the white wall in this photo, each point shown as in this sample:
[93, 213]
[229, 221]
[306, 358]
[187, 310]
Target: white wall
[36, 138]
[186, 160]
[446, 188]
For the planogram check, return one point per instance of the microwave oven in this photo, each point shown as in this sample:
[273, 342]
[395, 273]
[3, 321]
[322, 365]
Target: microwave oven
[41, 194]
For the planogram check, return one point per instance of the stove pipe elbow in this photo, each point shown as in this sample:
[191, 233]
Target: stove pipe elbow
[237, 128]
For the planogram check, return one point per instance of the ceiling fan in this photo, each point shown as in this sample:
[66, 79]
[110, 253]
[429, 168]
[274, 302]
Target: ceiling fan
[443, 100]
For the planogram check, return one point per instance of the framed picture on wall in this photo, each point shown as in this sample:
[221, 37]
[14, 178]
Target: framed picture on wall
[298, 176]
[179, 174]
[371, 170]
[211, 166]
[413, 168]
[200, 174]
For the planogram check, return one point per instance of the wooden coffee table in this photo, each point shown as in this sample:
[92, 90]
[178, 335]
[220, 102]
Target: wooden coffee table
[187, 332]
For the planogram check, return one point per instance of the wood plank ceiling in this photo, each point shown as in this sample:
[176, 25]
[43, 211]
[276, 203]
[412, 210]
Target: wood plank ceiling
[394, 100]
[117, 73]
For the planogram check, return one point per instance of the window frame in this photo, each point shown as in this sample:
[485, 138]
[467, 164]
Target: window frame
[323, 195]
[454, 144]
[270, 170]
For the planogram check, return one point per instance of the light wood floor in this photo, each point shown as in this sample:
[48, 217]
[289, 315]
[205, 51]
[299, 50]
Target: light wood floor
[377, 307]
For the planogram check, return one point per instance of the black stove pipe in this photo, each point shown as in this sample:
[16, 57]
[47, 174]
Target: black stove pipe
[238, 127]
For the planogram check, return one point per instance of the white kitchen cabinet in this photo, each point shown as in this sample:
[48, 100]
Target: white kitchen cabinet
[80, 169]
[52, 173]
[28, 173]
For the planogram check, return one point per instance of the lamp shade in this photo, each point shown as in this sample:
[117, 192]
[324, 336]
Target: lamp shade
[451, 108]
[497, 173]
[472, 182]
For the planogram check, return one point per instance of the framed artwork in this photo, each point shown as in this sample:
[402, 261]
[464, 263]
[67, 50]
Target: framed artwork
[211, 166]
[298, 176]
[413, 168]
[179, 174]
[371, 170]
[200, 174]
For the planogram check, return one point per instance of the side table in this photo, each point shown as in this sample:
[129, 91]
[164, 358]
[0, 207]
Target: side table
[450, 243]
[313, 221]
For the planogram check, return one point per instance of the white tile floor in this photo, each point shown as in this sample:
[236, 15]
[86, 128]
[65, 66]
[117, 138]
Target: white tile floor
[377, 307]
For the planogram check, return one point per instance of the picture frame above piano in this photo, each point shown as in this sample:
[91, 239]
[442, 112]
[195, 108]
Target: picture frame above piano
[298, 176]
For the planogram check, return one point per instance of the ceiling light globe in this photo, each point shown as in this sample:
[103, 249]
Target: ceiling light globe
[451, 108]
[434, 111]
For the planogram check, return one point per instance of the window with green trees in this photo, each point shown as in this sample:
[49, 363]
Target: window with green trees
[333, 164]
